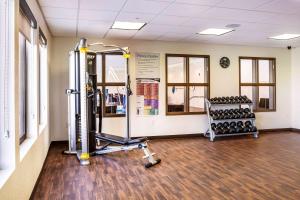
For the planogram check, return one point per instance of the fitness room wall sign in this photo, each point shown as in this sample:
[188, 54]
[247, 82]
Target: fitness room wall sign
[147, 83]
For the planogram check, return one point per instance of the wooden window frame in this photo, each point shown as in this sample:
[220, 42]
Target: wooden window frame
[257, 84]
[187, 84]
[105, 84]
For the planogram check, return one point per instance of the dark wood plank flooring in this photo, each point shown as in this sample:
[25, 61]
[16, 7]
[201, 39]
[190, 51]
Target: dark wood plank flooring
[194, 168]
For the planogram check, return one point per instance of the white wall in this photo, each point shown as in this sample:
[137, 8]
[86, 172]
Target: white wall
[27, 166]
[224, 82]
[295, 57]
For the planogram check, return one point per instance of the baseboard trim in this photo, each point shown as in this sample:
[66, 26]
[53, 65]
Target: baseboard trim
[59, 142]
[156, 137]
[295, 130]
[275, 130]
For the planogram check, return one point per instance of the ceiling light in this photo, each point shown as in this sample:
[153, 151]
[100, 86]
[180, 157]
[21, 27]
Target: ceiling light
[128, 25]
[285, 36]
[215, 31]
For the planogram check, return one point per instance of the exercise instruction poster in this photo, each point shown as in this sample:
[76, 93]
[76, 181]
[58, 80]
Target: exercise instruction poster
[147, 83]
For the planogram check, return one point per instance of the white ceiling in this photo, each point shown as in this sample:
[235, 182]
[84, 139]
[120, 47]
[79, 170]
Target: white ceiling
[177, 20]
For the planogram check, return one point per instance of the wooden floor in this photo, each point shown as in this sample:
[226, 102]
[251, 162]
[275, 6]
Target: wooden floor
[238, 168]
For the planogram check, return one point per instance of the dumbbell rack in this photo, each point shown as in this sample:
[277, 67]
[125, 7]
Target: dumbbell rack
[211, 134]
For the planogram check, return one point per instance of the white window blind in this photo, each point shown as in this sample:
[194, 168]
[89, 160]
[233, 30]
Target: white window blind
[3, 66]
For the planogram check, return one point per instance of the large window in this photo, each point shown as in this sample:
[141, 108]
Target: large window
[187, 83]
[3, 66]
[111, 77]
[42, 79]
[27, 71]
[258, 82]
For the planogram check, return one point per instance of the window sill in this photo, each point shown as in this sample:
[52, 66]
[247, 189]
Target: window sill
[4, 176]
[262, 111]
[25, 147]
[42, 128]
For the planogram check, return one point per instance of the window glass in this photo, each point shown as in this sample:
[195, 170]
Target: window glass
[250, 92]
[266, 98]
[247, 72]
[115, 100]
[176, 70]
[265, 68]
[23, 108]
[176, 99]
[42, 84]
[115, 68]
[197, 70]
[99, 67]
[197, 97]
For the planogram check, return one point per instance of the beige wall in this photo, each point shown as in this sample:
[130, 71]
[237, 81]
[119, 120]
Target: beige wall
[26, 171]
[224, 82]
[295, 88]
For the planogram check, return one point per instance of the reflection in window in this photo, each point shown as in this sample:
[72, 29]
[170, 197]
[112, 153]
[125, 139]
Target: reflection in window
[115, 100]
[176, 99]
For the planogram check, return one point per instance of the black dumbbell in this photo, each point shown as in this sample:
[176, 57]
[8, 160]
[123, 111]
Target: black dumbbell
[232, 124]
[251, 115]
[247, 115]
[218, 131]
[232, 128]
[239, 129]
[226, 124]
[220, 125]
[240, 123]
[213, 126]
[247, 126]
[248, 123]
[250, 126]
[242, 115]
[247, 110]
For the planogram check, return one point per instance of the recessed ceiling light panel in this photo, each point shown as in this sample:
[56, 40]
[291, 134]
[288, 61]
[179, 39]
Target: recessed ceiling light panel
[215, 31]
[128, 25]
[285, 36]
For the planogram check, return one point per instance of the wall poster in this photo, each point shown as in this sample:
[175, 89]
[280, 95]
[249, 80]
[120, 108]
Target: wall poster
[147, 83]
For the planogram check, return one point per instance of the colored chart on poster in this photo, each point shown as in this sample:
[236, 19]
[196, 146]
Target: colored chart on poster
[147, 97]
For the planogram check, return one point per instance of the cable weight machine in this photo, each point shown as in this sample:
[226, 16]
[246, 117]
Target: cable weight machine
[84, 99]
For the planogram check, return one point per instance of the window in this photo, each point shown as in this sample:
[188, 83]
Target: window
[42, 79]
[7, 97]
[111, 77]
[187, 82]
[258, 82]
[3, 68]
[27, 72]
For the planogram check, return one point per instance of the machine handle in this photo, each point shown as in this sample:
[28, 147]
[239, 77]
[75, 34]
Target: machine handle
[72, 91]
